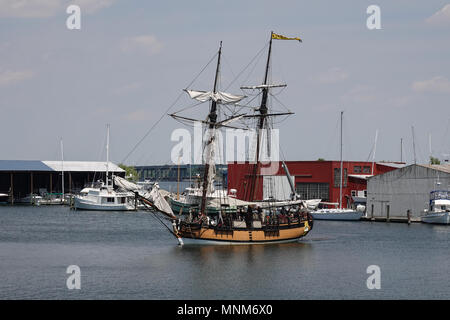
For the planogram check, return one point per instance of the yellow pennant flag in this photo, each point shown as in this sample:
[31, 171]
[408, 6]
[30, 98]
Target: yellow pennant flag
[280, 37]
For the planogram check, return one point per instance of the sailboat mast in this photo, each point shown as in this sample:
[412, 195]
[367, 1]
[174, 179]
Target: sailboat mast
[340, 183]
[62, 170]
[262, 119]
[212, 121]
[107, 154]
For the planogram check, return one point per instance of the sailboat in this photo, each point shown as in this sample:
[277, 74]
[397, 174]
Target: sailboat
[338, 213]
[102, 196]
[261, 222]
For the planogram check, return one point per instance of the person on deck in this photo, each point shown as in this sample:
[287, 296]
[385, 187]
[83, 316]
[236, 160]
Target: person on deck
[249, 217]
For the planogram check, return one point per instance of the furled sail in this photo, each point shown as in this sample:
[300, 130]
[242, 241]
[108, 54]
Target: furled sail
[155, 197]
[219, 96]
[264, 86]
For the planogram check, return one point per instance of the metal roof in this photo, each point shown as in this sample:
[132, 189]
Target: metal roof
[440, 167]
[393, 164]
[73, 166]
[23, 165]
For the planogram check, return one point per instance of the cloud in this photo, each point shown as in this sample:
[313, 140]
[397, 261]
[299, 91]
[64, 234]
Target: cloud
[360, 94]
[442, 17]
[128, 88]
[138, 115]
[92, 6]
[147, 44]
[48, 8]
[332, 75]
[438, 84]
[29, 8]
[12, 77]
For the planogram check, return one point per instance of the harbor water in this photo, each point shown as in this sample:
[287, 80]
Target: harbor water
[129, 255]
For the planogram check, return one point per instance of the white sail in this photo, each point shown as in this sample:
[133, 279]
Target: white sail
[155, 196]
[220, 97]
[159, 201]
[125, 184]
[209, 159]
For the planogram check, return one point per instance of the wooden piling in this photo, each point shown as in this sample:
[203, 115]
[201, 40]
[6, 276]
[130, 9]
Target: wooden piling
[11, 187]
[387, 212]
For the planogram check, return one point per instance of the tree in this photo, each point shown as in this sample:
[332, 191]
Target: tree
[321, 159]
[130, 172]
[434, 160]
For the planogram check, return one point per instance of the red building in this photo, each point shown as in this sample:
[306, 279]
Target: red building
[312, 179]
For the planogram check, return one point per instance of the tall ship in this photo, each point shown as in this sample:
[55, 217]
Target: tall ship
[232, 221]
[251, 222]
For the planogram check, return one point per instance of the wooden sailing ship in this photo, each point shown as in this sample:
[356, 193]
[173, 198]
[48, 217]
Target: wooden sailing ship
[253, 223]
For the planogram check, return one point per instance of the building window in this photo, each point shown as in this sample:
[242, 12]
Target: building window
[366, 169]
[308, 191]
[357, 169]
[354, 193]
[337, 177]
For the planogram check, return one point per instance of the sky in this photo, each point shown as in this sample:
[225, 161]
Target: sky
[130, 60]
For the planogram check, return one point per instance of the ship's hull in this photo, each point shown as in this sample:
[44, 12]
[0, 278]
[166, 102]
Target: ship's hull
[437, 218]
[211, 235]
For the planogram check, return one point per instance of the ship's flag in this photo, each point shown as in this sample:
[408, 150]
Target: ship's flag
[280, 37]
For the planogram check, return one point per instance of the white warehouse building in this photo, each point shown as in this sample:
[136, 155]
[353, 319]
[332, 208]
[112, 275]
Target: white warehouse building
[392, 194]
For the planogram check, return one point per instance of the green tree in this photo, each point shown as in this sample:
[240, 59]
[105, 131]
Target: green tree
[130, 172]
[434, 160]
[321, 159]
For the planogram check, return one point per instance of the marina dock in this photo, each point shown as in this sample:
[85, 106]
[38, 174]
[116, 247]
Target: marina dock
[392, 219]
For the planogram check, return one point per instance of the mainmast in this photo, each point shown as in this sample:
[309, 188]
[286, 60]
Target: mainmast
[262, 119]
[107, 154]
[62, 171]
[212, 121]
[340, 179]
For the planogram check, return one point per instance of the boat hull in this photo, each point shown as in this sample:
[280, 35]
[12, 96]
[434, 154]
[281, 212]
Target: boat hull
[211, 235]
[79, 204]
[437, 218]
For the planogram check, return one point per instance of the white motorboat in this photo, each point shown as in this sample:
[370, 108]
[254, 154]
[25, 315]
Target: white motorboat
[336, 214]
[102, 196]
[439, 208]
[32, 199]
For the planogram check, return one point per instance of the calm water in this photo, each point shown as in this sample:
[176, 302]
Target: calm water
[130, 256]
